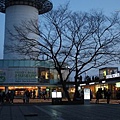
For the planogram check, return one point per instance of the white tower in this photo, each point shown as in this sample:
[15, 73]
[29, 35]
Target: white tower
[17, 11]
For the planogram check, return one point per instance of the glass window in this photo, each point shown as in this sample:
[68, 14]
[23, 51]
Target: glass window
[16, 63]
[22, 63]
[27, 63]
[54, 74]
[1, 63]
[32, 63]
[11, 63]
[5, 63]
[43, 73]
[37, 63]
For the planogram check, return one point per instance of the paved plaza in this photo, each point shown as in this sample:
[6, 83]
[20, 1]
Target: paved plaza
[45, 111]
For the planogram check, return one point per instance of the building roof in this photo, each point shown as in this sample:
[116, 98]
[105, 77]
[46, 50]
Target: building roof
[108, 68]
[43, 6]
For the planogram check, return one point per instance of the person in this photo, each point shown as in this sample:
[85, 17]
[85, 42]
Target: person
[97, 96]
[7, 97]
[108, 96]
[82, 94]
[34, 94]
[105, 93]
[44, 94]
[91, 95]
[118, 94]
[3, 97]
[0, 97]
[24, 97]
[30, 93]
[27, 96]
[11, 96]
[39, 93]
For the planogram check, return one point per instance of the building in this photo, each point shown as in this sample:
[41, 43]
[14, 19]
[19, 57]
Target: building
[16, 12]
[109, 78]
[19, 75]
[17, 72]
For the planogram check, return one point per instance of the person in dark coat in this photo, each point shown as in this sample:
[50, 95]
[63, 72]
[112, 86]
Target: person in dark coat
[11, 96]
[24, 97]
[27, 96]
[98, 96]
[3, 97]
[108, 96]
[34, 94]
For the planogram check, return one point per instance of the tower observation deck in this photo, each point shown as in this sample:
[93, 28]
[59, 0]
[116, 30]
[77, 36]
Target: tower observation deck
[43, 6]
[17, 11]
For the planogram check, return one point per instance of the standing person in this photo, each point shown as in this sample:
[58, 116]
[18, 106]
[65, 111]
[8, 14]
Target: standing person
[24, 97]
[39, 93]
[3, 96]
[91, 95]
[11, 96]
[30, 93]
[97, 96]
[105, 93]
[108, 96]
[0, 97]
[7, 96]
[49, 93]
[82, 94]
[27, 96]
[44, 94]
[34, 94]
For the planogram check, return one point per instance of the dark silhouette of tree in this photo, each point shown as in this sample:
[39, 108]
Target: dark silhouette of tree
[78, 40]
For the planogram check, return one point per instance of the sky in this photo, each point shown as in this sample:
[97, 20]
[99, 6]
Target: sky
[107, 6]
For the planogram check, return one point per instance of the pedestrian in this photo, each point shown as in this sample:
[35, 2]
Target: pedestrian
[105, 93]
[0, 97]
[118, 94]
[97, 96]
[24, 97]
[91, 95]
[7, 97]
[39, 93]
[108, 96]
[3, 97]
[11, 96]
[44, 93]
[27, 96]
[82, 95]
[30, 93]
[34, 94]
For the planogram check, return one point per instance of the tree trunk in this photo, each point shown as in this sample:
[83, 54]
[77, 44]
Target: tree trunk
[66, 91]
[76, 86]
[76, 92]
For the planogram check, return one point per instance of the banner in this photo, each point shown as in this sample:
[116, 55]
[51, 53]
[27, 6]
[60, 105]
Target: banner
[19, 75]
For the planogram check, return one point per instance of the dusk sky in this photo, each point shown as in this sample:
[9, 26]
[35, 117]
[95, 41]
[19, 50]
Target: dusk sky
[107, 6]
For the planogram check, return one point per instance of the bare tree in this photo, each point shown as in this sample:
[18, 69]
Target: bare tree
[95, 37]
[82, 41]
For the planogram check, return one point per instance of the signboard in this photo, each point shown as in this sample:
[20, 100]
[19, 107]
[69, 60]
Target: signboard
[118, 84]
[59, 94]
[56, 94]
[86, 94]
[113, 75]
[19, 75]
